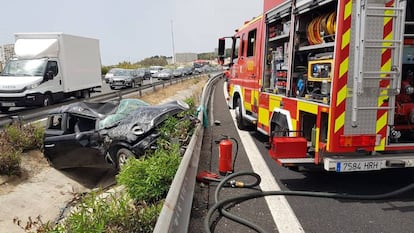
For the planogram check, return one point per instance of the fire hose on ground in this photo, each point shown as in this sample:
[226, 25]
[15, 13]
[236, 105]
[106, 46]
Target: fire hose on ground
[226, 168]
[229, 181]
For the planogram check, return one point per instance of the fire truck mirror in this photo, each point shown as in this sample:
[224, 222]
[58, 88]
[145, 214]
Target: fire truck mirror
[221, 48]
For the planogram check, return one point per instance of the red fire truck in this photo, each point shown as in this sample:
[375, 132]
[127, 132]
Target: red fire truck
[331, 82]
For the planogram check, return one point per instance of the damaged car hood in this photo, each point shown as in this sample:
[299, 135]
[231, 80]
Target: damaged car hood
[142, 120]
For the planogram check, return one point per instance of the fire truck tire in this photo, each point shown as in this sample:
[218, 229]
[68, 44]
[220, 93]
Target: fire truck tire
[241, 123]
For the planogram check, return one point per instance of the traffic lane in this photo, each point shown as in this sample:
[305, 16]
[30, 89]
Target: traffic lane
[103, 90]
[331, 215]
[255, 210]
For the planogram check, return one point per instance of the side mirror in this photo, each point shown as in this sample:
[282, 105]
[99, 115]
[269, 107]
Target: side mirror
[221, 48]
[49, 75]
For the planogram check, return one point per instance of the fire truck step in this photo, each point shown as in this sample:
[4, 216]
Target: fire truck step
[297, 161]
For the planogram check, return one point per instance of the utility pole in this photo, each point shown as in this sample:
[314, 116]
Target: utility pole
[172, 40]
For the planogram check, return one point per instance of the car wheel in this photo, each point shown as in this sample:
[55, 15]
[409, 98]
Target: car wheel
[123, 155]
[47, 100]
[239, 116]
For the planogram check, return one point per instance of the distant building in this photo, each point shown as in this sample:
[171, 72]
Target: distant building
[6, 52]
[185, 57]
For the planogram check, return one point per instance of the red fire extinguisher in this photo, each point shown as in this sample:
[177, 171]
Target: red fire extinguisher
[226, 162]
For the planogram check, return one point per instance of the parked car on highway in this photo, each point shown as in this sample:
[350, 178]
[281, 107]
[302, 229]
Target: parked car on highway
[104, 135]
[165, 74]
[154, 70]
[110, 74]
[143, 73]
[125, 78]
[188, 70]
[179, 72]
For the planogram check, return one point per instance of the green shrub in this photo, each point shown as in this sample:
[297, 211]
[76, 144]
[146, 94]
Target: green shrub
[14, 139]
[115, 213]
[149, 179]
[10, 159]
[24, 136]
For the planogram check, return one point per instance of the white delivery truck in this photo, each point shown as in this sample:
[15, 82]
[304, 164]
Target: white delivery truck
[48, 67]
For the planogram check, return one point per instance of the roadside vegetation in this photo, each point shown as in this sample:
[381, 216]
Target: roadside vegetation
[142, 185]
[14, 140]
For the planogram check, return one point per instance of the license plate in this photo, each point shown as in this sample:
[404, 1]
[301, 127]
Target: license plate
[351, 166]
[7, 104]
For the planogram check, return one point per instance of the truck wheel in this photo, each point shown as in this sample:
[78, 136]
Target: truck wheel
[47, 100]
[4, 109]
[123, 155]
[86, 94]
[241, 124]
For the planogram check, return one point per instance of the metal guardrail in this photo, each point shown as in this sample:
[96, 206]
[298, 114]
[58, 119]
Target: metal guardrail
[40, 113]
[175, 214]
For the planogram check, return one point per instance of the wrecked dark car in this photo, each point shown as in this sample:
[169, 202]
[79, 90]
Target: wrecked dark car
[88, 134]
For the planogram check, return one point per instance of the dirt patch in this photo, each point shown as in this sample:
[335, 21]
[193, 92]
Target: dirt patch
[33, 162]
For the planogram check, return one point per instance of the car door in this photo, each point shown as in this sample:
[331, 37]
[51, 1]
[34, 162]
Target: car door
[66, 147]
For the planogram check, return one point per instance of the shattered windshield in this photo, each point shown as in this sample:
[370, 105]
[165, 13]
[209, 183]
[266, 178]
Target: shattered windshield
[125, 107]
[34, 67]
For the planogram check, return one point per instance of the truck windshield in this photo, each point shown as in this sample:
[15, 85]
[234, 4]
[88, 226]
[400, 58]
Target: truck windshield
[25, 68]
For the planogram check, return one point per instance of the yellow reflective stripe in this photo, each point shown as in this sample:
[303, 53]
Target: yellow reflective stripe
[345, 38]
[341, 95]
[343, 67]
[294, 123]
[308, 107]
[264, 116]
[348, 10]
[381, 146]
[381, 122]
[339, 122]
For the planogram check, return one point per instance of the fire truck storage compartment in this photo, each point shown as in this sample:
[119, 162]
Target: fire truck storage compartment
[314, 46]
[288, 147]
[277, 40]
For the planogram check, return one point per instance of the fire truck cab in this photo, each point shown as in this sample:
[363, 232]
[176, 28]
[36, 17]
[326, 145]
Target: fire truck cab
[331, 82]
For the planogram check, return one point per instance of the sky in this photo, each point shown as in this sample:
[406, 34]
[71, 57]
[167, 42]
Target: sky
[131, 30]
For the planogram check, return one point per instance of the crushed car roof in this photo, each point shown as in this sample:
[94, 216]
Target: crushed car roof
[101, 109]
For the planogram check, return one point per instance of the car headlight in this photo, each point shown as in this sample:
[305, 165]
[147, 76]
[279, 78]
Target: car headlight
[32, 86]
[137, 130]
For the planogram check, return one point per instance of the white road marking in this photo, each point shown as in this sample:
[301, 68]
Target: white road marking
[283, 215]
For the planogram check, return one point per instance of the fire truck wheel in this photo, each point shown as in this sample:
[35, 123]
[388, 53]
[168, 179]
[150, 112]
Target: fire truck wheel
[241, 124]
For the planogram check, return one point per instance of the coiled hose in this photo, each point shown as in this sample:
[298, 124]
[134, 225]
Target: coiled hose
[222, 205]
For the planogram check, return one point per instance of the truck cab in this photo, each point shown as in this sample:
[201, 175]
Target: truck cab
[49, 67]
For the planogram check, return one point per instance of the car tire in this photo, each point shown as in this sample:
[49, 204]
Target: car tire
[47, 101]
[122, 156]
